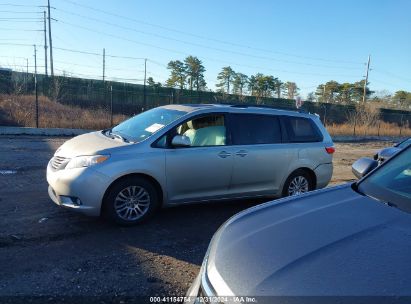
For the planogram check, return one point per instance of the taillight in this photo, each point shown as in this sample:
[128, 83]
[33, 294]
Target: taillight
[330, 150]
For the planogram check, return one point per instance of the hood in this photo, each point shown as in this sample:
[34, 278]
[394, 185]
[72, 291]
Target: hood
[330, 242]
[388, 152]
[88, 144]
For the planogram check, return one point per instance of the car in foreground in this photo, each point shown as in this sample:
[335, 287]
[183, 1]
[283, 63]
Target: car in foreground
[387, 153]
[349, 240]
[190, 153]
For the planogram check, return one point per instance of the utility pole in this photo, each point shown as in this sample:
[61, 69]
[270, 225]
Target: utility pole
[104, 64]
[51, 42]
[324, 92]
[145, 76]
[45, 43]
[366, 80]
[35, 86]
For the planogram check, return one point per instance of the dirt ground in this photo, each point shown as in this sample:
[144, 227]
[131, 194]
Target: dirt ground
[49, 251]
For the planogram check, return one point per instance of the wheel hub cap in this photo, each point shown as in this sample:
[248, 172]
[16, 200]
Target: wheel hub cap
[131, 203]
[298, 185]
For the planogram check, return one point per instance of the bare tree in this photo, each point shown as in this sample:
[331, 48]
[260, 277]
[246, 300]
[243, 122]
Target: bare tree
[364, 116]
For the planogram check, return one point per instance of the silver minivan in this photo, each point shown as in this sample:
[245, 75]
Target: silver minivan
[179, 154]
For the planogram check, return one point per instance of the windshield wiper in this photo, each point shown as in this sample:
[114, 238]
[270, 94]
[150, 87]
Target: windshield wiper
[110, 133]
[119, 136]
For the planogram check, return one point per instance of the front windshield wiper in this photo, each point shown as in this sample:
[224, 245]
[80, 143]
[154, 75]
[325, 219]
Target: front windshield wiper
[119, 136]
[110, 133]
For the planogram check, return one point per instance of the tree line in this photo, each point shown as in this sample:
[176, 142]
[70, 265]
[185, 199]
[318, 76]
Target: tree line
[189, 74]
[352, 94]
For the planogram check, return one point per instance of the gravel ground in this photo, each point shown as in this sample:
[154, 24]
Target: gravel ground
[48, 251]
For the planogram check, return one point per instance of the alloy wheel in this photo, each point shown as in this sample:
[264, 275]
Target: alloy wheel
[132, 203]
[298, 185]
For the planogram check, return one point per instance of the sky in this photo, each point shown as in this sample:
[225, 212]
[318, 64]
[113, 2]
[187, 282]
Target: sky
[307, 42]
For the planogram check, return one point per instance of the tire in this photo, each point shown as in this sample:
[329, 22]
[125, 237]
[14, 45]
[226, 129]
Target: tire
[131, 201]
[301, 181]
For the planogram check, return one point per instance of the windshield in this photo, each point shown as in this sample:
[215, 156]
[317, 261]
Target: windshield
[147, 123]
[392, 182]
[405, 143]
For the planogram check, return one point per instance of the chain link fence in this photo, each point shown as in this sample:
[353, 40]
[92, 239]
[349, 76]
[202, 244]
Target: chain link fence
[68, 102]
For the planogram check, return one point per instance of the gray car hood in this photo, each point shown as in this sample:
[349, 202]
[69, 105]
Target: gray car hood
[331, 242]
[88, 144]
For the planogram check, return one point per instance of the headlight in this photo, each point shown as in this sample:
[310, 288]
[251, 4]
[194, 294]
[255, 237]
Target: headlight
[86, 161]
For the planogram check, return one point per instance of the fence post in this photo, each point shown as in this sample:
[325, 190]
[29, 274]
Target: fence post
[355, 123]
[402, 117]
[379, 126]
[111, 106]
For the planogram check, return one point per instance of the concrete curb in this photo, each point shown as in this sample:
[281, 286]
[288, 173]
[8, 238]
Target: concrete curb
[41, 131]
[345, 138]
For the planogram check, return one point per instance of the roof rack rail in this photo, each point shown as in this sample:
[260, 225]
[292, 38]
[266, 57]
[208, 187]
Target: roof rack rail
[247, 105]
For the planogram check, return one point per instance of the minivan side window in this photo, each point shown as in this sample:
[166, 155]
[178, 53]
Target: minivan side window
[204, 131]
[253, 129]
[301, 129]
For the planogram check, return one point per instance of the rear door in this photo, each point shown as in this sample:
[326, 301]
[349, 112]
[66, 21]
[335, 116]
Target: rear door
[260, 157]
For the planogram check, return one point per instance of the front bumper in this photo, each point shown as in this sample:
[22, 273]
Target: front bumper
[84, 184]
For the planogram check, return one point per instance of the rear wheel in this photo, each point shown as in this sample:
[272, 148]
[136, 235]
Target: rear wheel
[131, 201]
[300, 181]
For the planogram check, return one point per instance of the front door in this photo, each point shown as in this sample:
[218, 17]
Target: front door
[202, 170]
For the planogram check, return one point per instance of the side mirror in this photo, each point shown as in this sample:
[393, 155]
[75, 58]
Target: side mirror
[363, 166]
[181, 141]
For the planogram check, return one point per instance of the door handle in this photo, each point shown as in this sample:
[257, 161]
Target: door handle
[242, 153]
[224, 154]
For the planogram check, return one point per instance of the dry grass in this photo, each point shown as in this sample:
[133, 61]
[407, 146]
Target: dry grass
[20, 110]
[379, 129]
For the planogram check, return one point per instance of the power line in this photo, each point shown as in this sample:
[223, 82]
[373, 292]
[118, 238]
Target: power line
[97, 54]
[17, 44]
[77, 51]
[2, 56]
[23, 30]
[207, 38]
[20, 65]
[189, 43]
[18, 5]
[217, 60]
[122, 38]
[18, 18]
[186, 54]
[21, 21]
[12, 39]
[392, 75]
[19, 12]
[96, 77]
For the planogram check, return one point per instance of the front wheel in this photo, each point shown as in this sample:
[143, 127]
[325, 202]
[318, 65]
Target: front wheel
[297, 183]
[131, 201]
